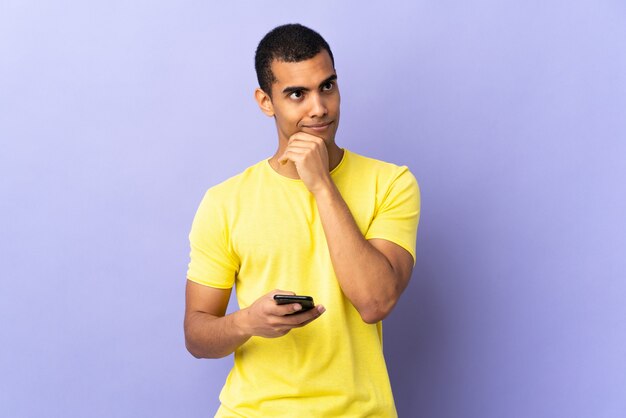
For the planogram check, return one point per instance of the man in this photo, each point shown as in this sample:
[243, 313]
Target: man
[314, 219]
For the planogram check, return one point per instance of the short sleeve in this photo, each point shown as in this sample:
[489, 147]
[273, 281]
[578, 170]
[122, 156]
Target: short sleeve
[212, 260]
[398, 213]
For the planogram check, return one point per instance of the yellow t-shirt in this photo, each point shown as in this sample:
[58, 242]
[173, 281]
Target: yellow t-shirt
[260, 231]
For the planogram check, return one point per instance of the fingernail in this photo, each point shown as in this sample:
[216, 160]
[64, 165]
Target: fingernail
[321, 309]
[297, 307]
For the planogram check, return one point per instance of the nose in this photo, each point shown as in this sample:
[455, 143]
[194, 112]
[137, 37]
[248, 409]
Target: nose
[318, 106]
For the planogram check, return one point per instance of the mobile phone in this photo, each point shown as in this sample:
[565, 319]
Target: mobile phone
[305, 301]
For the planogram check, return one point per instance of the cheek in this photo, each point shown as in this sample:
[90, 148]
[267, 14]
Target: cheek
[287, 123]
[334, 104]
[289, 117]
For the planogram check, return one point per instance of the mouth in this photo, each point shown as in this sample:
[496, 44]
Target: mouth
[318, 127]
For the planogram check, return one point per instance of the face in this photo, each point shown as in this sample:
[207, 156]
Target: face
[305, 98]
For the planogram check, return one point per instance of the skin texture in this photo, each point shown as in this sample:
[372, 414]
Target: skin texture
[372, 274]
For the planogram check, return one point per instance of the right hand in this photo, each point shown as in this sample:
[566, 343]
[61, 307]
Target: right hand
[265, 318]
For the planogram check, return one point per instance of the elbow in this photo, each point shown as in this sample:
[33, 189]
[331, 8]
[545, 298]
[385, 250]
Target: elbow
[376, 306]
[372, 318]
[200, 353]
[190, 342]
[194, 353]
[193, 349]
[197, 348]
[375, 311]
[197, 343]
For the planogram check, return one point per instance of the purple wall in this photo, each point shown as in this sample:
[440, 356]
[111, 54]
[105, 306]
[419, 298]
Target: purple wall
[115, 118]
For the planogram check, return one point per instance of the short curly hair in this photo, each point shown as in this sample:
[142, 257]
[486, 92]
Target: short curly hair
[287, 43]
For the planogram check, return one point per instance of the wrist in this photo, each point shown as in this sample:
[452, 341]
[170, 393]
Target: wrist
[240, 323]
[326, 190]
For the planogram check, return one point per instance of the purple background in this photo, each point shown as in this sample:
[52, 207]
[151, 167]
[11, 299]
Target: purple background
[116, 116]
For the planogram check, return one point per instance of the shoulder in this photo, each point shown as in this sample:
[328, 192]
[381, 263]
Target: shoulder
[375, 169]
[224, 195]
[236, 183]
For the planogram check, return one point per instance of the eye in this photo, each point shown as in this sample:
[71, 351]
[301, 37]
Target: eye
[328, 86]
[296, 95]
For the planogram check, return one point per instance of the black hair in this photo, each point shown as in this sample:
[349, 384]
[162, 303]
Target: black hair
[286, 43]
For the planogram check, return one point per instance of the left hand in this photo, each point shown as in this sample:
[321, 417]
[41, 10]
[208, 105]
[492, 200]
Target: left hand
[310, 156]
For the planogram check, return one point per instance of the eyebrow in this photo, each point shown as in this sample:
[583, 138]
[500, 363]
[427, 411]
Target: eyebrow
[289, 90]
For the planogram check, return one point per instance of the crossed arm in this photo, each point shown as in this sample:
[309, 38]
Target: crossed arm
[372, 273]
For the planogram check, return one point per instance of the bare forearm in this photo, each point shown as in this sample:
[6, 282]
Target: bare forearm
[364, 273]
[208, 336]
[372, 276]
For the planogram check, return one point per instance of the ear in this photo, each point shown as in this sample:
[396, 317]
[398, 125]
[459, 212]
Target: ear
[264, 101]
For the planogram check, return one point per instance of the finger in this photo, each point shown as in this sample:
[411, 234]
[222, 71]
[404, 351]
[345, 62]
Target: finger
[283, 310]
[306, 137]
[307, 146]
[308, 143]
[301, 319]
[297, 150]
[290, 155]
[307, 322]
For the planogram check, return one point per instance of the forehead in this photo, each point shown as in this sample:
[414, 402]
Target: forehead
[308, 73]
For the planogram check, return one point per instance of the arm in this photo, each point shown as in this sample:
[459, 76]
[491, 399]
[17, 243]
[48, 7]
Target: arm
[209, 333]
[372, 274]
